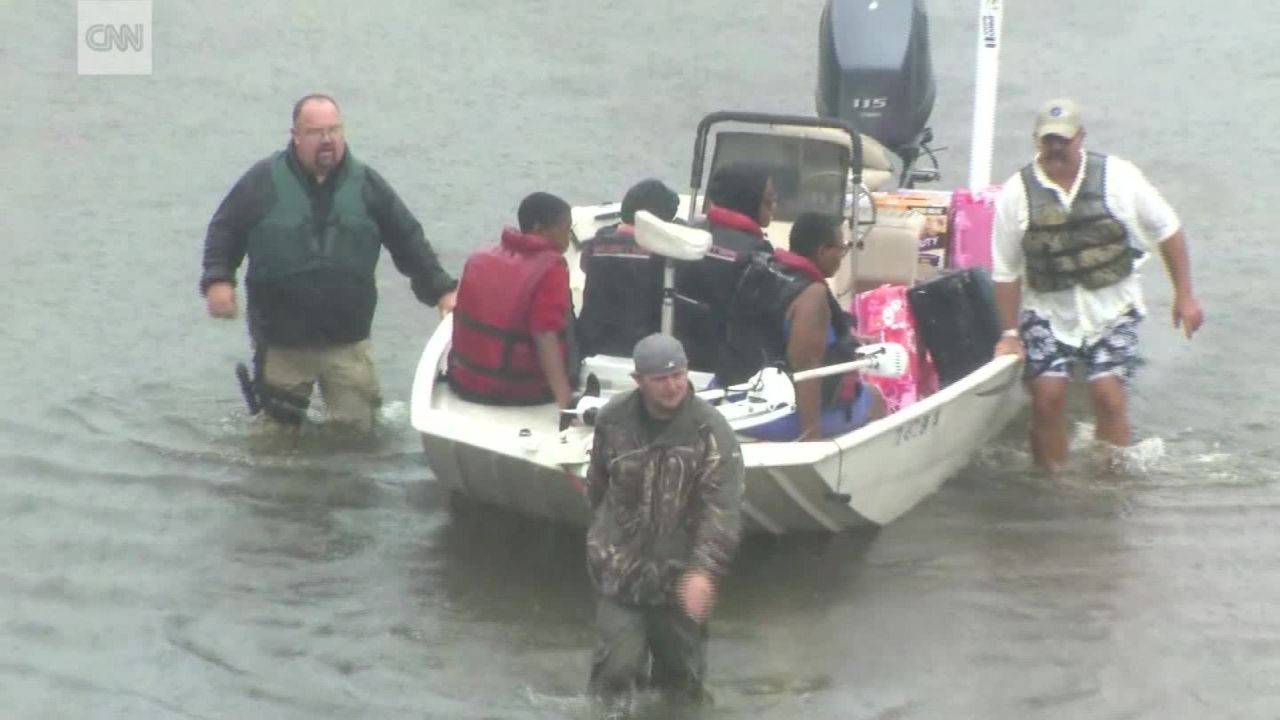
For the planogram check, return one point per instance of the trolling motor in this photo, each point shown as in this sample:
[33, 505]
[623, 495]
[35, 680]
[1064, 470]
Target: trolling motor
[585, 405]
[769, 390]
[773, 387]
[878, 359]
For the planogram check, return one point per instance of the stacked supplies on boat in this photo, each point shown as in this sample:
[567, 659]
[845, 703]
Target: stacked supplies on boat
[885, 315]
[971, 217]
[928, 212]
[923, 276]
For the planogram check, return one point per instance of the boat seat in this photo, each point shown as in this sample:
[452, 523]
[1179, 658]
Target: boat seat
[669, 239]
[877, 169]
[877, 180]
[888, 253]
[614, 374]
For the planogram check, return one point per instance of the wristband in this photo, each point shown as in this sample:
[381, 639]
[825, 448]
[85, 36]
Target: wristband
[1010, 333]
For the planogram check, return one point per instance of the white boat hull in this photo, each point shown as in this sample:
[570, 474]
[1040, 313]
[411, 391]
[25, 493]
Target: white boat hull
[518, 459]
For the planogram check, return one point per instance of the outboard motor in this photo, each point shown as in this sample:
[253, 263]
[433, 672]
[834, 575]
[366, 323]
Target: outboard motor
[876, 72]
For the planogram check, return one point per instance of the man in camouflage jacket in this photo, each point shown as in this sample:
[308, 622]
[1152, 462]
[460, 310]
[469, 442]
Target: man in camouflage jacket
[665, 489]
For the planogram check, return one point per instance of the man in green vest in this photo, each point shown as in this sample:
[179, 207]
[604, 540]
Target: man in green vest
[1071, 230]
[312, 220]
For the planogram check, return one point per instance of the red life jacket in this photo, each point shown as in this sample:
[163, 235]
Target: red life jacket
[493, 359]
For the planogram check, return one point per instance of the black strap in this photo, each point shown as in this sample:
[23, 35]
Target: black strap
[503, 400]
[284, 407]
[499, 373]
[511, 336]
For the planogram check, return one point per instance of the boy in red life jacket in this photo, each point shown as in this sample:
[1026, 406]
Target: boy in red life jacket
[514, 313]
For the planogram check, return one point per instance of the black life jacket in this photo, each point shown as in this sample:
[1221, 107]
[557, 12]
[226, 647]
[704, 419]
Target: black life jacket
[756, 333]
[711, 283]
[622, 297]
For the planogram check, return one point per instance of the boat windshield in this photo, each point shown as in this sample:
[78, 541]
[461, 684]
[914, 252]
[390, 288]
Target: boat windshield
[809, 174]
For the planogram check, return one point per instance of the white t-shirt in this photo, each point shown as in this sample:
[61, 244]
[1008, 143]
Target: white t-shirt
[1076, 315]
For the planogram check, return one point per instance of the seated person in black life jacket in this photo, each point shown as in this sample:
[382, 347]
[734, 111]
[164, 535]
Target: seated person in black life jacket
[513, 321]
[785, 312]
[741, 202]
[622, 297]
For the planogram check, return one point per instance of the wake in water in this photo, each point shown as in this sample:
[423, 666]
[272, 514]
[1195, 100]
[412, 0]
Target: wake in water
[318, 436]
[728, 698]
[1190, 456]
[1090, 462]
[1138, 459]
[644, 706]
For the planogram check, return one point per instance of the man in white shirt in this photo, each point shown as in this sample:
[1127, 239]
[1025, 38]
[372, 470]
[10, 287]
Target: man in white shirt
[1071, 229]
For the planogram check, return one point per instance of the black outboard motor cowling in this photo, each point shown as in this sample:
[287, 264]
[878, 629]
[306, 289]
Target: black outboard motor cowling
[875, 69]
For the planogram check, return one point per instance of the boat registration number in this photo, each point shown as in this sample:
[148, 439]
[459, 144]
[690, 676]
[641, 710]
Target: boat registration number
[919, 427]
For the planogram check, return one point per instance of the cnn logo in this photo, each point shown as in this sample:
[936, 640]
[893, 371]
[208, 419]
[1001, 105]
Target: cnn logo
[113, 37]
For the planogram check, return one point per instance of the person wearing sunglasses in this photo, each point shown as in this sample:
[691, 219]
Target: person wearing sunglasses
[784, 312]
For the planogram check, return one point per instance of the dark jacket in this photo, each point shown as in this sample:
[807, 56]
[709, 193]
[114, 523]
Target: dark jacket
[711, 283]
[661, 505]
[321, 307]
[622, 297]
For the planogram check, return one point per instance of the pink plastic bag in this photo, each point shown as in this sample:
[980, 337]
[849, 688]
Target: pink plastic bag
[885, 315]
[973, 213]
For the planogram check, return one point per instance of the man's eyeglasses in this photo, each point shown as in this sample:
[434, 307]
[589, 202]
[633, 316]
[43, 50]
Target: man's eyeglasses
[843, 247]
[315, 133]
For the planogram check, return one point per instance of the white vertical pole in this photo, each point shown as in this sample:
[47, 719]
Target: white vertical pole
[986, 80]
[668, 298]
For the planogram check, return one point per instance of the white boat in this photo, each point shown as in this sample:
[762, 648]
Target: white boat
[523, 459]
[518, 458]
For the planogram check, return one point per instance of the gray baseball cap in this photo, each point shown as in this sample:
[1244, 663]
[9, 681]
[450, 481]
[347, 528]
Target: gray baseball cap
[658, 354]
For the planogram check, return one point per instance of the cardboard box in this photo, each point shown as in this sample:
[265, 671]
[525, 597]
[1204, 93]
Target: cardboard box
[933, 207]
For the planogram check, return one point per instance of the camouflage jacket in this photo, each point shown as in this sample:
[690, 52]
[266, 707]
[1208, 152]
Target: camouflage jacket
[661, 506]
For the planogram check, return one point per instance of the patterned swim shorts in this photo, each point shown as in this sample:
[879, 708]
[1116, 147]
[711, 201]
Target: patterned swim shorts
[1115, 353]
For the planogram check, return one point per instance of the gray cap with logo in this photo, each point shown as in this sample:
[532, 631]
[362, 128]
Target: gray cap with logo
[658, 354]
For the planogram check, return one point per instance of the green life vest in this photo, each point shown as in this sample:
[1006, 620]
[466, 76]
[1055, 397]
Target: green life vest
[1085, 246]
[288, 240]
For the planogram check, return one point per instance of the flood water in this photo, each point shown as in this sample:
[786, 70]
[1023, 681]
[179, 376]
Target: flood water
[155, 565]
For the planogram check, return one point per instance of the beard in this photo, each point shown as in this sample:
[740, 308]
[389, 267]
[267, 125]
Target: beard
[1056, 155]
[326, 157]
